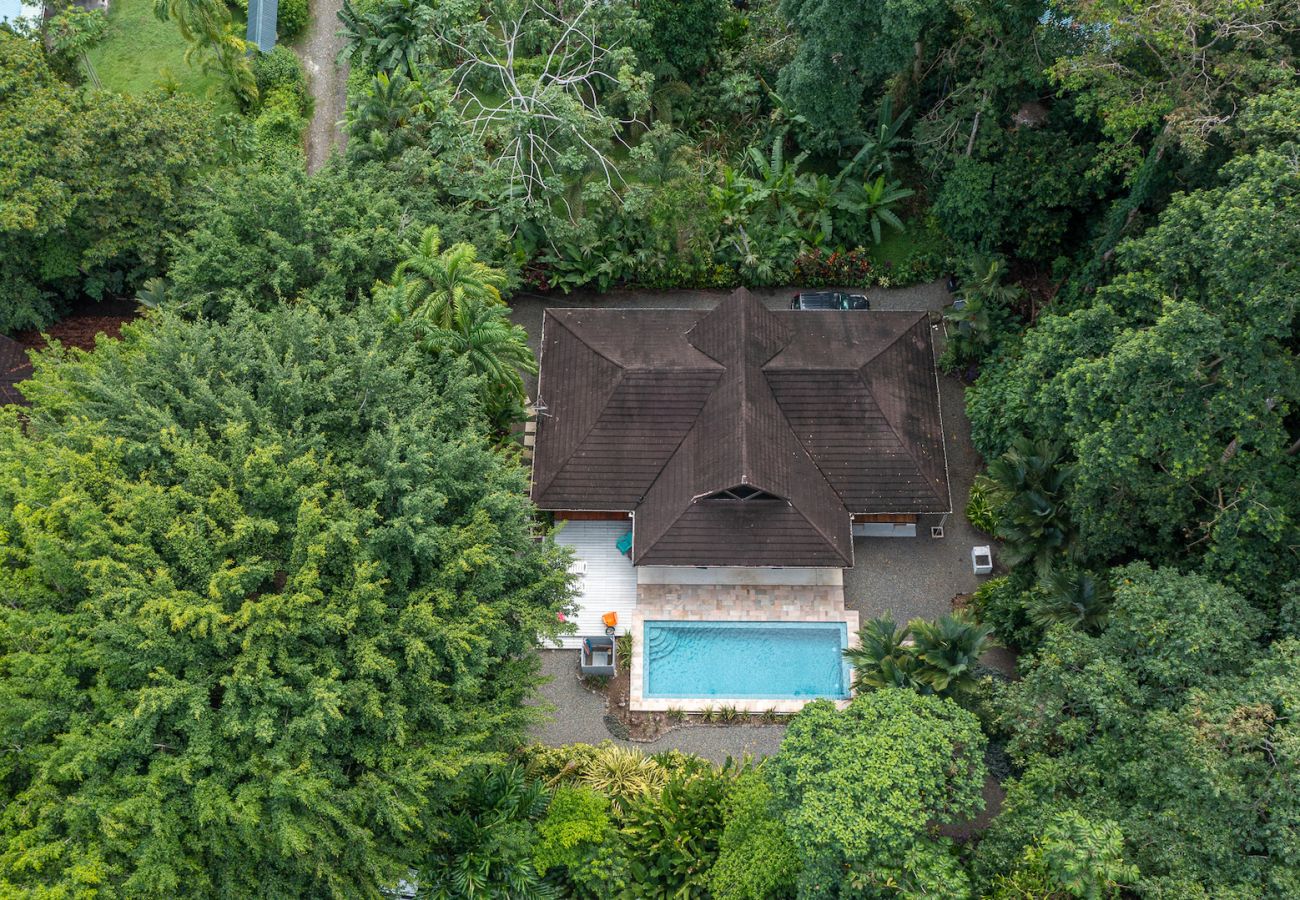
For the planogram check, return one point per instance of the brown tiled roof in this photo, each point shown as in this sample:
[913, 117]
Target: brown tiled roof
[14, 367]
[652, 411]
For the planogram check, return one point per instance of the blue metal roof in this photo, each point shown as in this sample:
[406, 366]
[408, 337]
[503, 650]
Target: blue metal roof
[261, 23]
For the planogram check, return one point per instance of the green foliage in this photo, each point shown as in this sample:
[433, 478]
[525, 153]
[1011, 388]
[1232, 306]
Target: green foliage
[858, 789]
[271, 235]
[1072, 597]
[281, 70]
[1004, 603]
[91, 187]
[682, 38]
[1172, 724]
[269, 593]
[938, 657]
[1170, 389]
[981, 314]
[1033, 519]
[622, 775]
[981, 507]
[384, 36]
[576, 823]
[847, 51]
[755, 858]
[1074, 857]
[670, 839]
[432, 284]
[291, 19]
[484, 848]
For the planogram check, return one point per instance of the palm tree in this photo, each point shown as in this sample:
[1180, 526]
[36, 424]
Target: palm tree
[432, 284]
[1075, 597]
[882, 657]
[982, 302]
[379, 125]
[1034, 523]
[948, 650]
[484, 850]
[496, 349]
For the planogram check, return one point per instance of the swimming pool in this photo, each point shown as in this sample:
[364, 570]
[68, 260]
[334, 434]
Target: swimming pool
[745, 660]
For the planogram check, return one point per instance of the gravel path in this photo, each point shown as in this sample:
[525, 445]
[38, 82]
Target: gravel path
[579, 719]
[327, 81]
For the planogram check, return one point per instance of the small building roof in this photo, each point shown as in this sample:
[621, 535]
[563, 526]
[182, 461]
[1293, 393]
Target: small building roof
[262, 15]
[812, 416]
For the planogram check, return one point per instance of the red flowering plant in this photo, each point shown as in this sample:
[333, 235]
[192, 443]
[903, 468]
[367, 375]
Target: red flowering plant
[817, 267]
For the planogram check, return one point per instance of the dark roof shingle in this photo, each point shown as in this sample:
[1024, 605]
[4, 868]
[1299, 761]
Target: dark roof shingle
[651, 411]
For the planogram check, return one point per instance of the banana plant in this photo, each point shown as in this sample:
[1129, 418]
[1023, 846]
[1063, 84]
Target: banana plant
[876, 199]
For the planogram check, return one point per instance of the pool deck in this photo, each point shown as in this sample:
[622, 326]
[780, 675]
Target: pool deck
[730, 603]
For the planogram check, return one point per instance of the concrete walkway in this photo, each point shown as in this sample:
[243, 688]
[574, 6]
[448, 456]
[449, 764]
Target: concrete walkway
[579, 719]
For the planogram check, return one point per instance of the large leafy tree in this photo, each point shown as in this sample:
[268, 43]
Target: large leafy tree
[268, 592]
[1174, 390]
[1170, 723]
[859, 790]
[92, 184]
[847, 51]
[270, 235]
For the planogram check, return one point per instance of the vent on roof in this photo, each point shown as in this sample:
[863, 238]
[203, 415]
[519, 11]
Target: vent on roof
[741, 492]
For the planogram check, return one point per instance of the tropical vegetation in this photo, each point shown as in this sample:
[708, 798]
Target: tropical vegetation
[272, 585]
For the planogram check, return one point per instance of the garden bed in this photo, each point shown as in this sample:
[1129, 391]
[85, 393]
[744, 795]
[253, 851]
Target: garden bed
[644, 727]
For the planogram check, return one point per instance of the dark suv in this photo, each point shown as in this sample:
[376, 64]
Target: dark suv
[829, 300]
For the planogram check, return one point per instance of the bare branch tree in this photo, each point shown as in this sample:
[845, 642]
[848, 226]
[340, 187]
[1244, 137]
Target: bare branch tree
[548, 106]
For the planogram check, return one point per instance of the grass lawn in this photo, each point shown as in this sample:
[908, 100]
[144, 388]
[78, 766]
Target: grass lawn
[139, 53]
[898, 246]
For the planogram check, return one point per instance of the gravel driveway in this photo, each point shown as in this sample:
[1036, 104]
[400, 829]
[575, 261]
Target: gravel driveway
[579, 719]
[327, 82]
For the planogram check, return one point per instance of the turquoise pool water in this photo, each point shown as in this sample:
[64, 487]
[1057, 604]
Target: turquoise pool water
[745, 660]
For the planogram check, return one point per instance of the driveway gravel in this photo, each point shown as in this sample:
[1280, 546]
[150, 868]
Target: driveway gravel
[578, 718]
[327, 82]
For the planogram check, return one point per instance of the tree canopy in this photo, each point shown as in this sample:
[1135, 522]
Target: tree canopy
[268, 592]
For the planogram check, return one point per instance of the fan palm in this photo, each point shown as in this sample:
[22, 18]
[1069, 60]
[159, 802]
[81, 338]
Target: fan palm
[948, 650]
[1034, 524]
[882, 657]
[432, 283]
[1074, 597]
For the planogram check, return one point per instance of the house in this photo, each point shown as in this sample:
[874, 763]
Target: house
[742, 447]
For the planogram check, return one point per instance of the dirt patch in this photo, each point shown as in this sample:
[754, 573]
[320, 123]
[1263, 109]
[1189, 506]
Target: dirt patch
[327, 82]
[86, 322]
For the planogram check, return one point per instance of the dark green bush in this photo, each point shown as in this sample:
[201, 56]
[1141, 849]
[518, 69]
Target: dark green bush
[281, 70]
[291, 19]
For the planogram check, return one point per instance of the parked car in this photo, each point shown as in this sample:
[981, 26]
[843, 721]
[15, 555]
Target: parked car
[829, 300]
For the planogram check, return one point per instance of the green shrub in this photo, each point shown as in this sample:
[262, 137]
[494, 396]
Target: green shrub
[291, 19]
[981, 510]
[756, 859]
[1004, 603]
[552, 764]
[576, 823]
[281, 71]
[280, 123]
